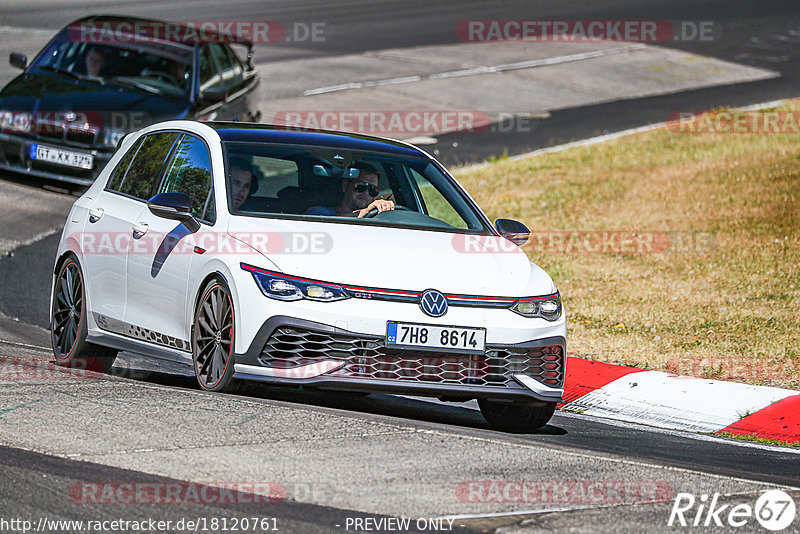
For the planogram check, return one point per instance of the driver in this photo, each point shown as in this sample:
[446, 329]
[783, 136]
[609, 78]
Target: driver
[95, 61]
[241, 180]
[358, 195]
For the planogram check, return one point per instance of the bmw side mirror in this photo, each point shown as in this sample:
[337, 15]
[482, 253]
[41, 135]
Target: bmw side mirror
[514, 231]
[18, 60]
[174, 206]
[213, 95]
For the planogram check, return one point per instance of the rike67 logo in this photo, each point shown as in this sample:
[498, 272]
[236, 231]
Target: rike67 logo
[774, 510]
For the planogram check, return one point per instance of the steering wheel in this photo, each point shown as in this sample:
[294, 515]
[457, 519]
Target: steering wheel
[374, 211]
[160, 75]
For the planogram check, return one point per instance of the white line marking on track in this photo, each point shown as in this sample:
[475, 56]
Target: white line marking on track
[476, 71]
[16, 343]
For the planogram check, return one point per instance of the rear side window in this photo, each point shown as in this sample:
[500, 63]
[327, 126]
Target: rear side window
[144, 173]
[122, 168]
[190, 173]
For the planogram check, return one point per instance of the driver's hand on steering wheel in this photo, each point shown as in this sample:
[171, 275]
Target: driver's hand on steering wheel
[379, 204]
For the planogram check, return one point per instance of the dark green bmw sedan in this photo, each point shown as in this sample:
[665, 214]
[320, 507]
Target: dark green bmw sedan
[103, 76]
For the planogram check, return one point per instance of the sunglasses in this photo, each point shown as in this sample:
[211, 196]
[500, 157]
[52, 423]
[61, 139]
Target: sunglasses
[360, 187]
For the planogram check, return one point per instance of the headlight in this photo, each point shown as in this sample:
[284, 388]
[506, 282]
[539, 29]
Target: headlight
[280, 286]
[547, 307]
[111, 137]
[15, 121]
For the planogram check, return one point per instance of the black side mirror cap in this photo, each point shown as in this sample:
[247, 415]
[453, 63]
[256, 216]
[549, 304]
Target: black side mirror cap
[514, 231]
[174, 206]
[212, 95]
[18, 60]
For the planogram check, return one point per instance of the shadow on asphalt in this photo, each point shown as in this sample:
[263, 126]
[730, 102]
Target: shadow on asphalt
[169, 374]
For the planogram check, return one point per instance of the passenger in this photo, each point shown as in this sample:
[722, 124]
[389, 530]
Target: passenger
[358, 195]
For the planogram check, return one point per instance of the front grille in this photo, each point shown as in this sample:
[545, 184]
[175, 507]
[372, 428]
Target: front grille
[53, 131]
[369, 358]
[79, 135]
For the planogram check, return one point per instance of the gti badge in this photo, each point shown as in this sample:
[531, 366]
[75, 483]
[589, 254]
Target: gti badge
[433, 303]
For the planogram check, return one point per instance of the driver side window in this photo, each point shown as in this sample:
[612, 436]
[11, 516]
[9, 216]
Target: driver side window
[190, 173]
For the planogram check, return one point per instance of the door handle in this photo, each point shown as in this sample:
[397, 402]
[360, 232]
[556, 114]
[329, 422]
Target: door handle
[95, 214]
[139, 229]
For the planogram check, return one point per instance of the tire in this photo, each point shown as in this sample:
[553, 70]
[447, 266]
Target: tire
[213, 339]
[516, 418]
[68, 326]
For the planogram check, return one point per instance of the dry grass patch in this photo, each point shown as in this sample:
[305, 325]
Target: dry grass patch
[722, 301]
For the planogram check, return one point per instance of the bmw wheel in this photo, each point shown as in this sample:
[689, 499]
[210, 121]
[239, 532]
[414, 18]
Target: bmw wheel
[213, 337]
[517, 418]
[68, 325]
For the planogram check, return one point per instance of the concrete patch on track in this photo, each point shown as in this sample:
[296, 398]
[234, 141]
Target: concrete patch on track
[521, 79]
[30, 214]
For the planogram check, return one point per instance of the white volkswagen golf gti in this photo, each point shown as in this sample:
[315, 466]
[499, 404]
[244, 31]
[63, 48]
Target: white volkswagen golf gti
[313, 258]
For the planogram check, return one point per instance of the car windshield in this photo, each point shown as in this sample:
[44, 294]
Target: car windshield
[332, 184]
[156, 67]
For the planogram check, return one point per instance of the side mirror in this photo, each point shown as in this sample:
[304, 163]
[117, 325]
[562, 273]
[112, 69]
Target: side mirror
[212, 95]
[514, 231]
[174, 206]
[18, 60]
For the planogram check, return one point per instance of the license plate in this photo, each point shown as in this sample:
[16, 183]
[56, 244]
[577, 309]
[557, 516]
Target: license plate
[61, 157]
[435, 337]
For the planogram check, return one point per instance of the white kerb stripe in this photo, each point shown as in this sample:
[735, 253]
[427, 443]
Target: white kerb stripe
[677, 402]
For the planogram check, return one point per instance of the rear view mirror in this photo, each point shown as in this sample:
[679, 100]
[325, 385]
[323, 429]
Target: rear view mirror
[320, 170]
[18, 60]
[514, 231]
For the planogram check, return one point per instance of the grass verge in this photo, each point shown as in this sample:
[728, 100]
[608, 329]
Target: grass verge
[676, 252]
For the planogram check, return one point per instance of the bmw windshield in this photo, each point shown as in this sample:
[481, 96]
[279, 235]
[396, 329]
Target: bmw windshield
[341, 184]
[155, 67]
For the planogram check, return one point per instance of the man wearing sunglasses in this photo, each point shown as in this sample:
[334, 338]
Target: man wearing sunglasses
[358, 195]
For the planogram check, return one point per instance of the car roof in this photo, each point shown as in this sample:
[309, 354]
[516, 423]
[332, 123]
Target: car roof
[265, 133]
[187, 35]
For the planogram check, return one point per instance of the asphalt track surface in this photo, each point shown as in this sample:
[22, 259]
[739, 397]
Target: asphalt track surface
[382, 456]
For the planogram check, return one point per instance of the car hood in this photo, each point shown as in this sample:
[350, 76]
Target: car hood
[46, 93]
[393, 258]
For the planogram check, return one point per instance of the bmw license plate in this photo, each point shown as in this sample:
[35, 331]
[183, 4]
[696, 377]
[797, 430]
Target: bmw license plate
[60, 156]
[435, 337]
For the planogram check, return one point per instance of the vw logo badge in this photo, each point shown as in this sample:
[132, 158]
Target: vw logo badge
[433, 303]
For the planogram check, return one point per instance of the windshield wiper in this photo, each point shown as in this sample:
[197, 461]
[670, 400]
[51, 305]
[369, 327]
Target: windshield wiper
[127, 81]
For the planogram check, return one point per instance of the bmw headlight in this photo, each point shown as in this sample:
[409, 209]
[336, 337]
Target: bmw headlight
[112, 137]
[280, 286]
[547, 307]
[16, 121]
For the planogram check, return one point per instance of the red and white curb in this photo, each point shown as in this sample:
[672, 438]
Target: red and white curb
[680, 402]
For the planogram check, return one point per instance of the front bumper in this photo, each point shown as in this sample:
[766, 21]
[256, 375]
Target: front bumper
[15, 157]
[288, 350]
